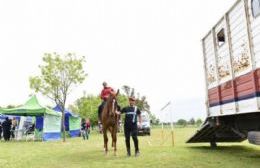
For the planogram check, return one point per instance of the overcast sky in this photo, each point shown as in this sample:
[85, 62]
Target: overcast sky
[151, 45]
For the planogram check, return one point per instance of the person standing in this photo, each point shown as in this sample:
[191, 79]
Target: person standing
[83, 129]
[104, 96]
[1, 130]
[7, 129]
[130, 125]
[87, 128]
[13, 127]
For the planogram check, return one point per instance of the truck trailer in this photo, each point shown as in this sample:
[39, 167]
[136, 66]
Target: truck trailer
[231, 54]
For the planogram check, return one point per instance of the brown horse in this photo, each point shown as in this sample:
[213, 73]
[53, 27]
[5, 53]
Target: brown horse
[110, 120]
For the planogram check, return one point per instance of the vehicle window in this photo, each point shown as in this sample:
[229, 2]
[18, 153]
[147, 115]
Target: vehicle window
[221, 37]
[256, 8]
[145, 118]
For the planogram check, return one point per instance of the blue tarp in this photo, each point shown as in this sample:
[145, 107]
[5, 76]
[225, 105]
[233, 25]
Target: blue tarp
[51, 136]
[3, 117]
[39, 120]
[74, 133]
[47, 136]
[39, 123]
[68, 114]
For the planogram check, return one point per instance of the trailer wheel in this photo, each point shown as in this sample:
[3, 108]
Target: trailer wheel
[213, 144]
[254, 137]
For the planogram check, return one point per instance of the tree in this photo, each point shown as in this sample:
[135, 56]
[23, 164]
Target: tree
[58, 76]
[182, 122]
[126, 89]
[132, 94]
[142, 104]
[192, 121]
[154, 119]
[122, 100]
[10, 106]
[141, 101]
[87, 107]
[198, 122]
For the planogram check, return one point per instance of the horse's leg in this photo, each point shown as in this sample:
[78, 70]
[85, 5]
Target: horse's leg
[111, 131]
[115, 139]
[114, 130]
[105, 140]
[112, 139]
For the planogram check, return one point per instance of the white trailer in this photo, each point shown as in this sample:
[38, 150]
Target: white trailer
[231, 53]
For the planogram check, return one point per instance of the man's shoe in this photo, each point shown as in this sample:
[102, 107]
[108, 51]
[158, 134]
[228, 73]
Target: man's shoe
[128, 153]
[137, 153]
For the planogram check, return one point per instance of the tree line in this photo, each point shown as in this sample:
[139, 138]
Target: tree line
[192, 121]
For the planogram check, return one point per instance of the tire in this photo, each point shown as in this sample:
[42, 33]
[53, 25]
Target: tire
[254, 137]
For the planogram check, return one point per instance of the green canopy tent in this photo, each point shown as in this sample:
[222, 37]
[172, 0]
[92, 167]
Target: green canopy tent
[51, 119]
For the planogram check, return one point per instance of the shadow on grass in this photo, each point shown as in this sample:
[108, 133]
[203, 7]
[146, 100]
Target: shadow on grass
[20, 141]
[93, 155]
[234, 150]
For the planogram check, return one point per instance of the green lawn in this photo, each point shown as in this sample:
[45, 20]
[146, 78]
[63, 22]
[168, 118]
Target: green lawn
[154, 153]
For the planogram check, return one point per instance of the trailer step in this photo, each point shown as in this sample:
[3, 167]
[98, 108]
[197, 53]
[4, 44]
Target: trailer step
[210, 133]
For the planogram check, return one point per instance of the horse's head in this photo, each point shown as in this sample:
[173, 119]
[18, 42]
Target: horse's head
[113, 95]
[112, 102]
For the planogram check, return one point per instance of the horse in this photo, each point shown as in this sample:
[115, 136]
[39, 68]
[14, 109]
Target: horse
[109, 120]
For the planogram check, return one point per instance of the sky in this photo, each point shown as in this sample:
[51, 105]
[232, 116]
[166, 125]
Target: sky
[153, 46]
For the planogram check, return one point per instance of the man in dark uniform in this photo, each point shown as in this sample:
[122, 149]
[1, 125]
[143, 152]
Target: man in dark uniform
[130, 126]
[7, 129]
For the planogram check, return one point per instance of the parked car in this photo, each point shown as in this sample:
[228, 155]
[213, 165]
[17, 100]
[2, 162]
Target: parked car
[145, 128]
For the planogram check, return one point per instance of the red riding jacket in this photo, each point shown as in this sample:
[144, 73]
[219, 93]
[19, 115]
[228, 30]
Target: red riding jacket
[105, 93]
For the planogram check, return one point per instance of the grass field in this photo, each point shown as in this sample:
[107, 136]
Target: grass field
[154, 153]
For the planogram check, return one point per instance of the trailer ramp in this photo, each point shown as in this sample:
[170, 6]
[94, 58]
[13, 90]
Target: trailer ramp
[213, 133]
